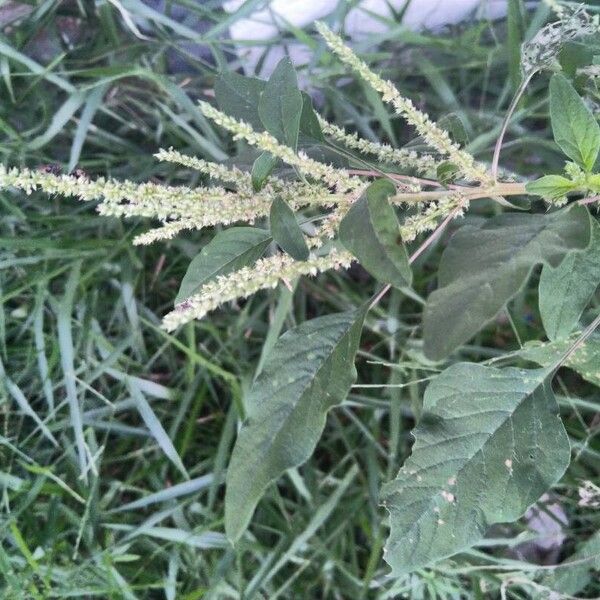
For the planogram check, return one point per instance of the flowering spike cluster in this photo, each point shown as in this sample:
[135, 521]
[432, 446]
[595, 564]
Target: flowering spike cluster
[436, 137]
[406, 159]
[336, 178]
[241, 179]
[431, 214]
[326, 191]
[264, 274]
[178, 207]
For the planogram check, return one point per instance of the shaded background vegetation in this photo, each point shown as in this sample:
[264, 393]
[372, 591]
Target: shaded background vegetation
[80, 307]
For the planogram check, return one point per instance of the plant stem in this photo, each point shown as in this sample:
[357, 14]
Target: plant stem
[509, 114]
[469, 193]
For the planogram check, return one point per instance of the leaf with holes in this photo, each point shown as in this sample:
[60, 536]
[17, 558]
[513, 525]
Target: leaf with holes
[488, 445]
[228, 251]
[485, 265]
[309, 370]
[585, 360]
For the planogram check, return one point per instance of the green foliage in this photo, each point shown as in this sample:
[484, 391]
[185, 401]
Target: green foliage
[488, 445]
[585, 360]
[280, 104]
[371, 232]
[553, 187]
[566, 290]
[576, 130]
[309, 370]
[228, 251]
[485, 265]
[115, 453]
[286, 231]
[261, 169]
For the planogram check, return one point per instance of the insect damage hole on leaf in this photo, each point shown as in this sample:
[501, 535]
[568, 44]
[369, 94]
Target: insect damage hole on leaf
[488, 445]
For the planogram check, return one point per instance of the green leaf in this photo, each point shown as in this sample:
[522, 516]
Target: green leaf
[238, 96]
[575, 573]
[488, 445]
[371, 232]
[286, 231]
[485, 265]
[566, 290]
[309, 124]
[261, 169]
[228, 251]
[551, 187]
[280, 104]
[309, 370]
[576, 130]
[585, 360]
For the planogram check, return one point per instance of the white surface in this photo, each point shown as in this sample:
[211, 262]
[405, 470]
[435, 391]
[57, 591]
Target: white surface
[266, 24]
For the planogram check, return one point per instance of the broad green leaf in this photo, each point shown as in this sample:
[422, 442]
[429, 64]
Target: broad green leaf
[566, 290]
[485, 265]
[261, 169]
[488, 445]
[228, 251]
[309, 370]
[238, 96]
[585, 360]
[575, 128]
[371, 232]
[286, 231]
[552, 187]
[280, 104]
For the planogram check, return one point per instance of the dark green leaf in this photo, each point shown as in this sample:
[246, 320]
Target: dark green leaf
[371, 232]
[238, 96]
[309, 125]
[309, 370]
[447, 172]
[228, 251]
[286, 231]
[488, 445]
[485, 265]
[261, 169]
[280, 104]
[566, 290]
[576, 130]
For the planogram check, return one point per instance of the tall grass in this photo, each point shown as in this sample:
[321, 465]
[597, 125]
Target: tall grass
[92, 384]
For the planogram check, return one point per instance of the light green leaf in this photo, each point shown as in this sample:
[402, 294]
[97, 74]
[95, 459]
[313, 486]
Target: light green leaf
[488, 445]
[261, 169]
[551, 187]
[286, 231]
[575, 128]
[585, 360]
[371, 232]
[485, 265]
[309, 370]
[280, 104]
[238, 96]
[566, 290]
[228, 251]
